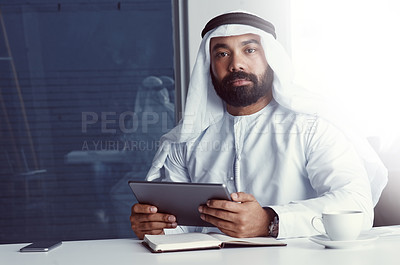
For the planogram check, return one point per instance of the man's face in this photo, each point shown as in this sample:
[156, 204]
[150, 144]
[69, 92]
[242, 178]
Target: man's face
[239, 71]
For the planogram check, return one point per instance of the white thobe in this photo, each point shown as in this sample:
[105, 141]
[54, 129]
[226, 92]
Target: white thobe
[297, 164]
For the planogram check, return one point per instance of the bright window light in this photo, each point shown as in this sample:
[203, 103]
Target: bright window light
[349, 50]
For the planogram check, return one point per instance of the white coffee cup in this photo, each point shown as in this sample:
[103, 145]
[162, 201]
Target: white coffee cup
[340, 225]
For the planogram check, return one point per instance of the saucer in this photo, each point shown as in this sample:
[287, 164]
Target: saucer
[360, 241]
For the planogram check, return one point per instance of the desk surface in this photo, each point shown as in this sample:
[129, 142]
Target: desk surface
[385, 250]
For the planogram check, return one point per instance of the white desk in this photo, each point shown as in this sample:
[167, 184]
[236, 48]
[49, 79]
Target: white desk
[384, 251]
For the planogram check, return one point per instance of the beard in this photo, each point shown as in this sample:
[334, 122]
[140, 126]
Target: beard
[242, 96]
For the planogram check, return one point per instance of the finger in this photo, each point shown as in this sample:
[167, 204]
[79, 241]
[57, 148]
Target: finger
[242, 197]
[219, 223]
[155, 217]
[154, 232]
[229, 232]
[149, 226]
[224, 205]
[218, 213]
[231, 228]
[143, 208]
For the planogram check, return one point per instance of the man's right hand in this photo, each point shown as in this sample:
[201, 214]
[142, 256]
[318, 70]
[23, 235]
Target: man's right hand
[146, 220]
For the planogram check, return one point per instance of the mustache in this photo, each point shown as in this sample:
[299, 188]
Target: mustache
[239, 75]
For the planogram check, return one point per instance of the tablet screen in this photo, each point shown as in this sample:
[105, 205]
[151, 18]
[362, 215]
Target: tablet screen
[179, 199]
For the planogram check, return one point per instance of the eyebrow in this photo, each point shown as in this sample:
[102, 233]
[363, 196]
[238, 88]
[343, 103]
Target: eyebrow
[244, 43]
[219, 45]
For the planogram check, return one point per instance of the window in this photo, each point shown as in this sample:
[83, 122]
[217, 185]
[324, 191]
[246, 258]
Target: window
[86, 91]
[349, 51]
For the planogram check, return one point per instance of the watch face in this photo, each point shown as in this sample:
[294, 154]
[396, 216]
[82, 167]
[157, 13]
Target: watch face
[274, 227]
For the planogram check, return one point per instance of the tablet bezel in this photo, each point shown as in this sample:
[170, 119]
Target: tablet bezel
[180, 199]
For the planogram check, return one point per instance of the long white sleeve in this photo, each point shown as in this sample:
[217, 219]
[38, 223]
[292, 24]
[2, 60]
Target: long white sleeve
[339, 179]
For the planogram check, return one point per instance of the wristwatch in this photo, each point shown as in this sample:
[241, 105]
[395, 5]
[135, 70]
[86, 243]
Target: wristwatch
[274, 227]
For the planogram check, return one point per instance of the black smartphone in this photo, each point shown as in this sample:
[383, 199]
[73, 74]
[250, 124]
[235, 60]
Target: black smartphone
[41, 246]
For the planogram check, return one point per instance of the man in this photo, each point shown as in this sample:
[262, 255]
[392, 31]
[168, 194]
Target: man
[281, 155]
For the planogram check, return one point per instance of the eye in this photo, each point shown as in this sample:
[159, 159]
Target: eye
[222, 54]
[251, 50]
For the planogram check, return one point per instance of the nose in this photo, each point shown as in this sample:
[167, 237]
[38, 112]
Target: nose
[237, 63]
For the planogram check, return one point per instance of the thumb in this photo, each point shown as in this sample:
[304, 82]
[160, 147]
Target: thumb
[242, 197]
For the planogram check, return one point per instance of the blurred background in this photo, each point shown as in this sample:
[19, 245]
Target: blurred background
[86, 91]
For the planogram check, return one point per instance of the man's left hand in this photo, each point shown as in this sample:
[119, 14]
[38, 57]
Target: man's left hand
[241, 217]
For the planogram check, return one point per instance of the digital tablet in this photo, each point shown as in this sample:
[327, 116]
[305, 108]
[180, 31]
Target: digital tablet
[179, 199]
